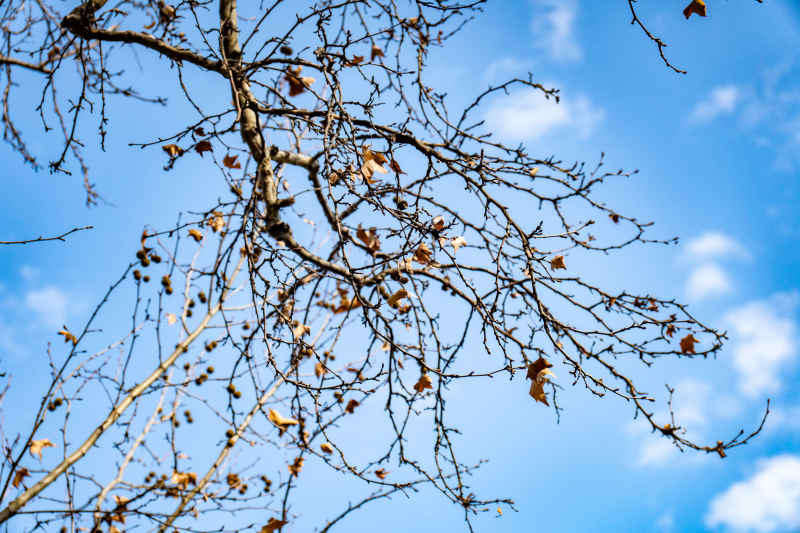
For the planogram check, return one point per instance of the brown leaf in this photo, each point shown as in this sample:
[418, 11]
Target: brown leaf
[532, 172]
[195, 234]
[183, 479]
[539, 371]
[273, 525]
[369, 238]
[230, 161]
[281, 421]
[373, 162]
[297, 84]
[173, 150]
[19, 475]
[300, 329]
[687, 344]
[203, 146]
[326, 447]
[296, 466]
[558, 262]
[424, 382]
[351, 406]
[438, 223]
[319, 369]
[423, 254]
[614, 218]
[670, 330]
[357, 60]
[395, 298]
[696, 7]
[376, 52]
[395, 167]
[216, 222]
[381, 473]
[38, 445]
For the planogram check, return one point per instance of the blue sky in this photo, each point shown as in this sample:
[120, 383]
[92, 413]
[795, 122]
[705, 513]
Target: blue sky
[718, 151]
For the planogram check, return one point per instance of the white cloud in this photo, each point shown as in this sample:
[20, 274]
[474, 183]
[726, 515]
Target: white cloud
[50, 303]
[529, 115]
[28, 273]
[712, 244]
[666, 522]
[765, 336]
[504, 68]
[766, 502]
[722, 100]
[554, 30]
[707, 280]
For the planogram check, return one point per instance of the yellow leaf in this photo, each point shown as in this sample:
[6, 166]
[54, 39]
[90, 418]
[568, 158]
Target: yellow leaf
[532, 172]
[423, 383]
[326, 447]
[558, 262]
[195, 234]
[68, 336]
[38, 445]
[216, 222]
[296, 467]
[457, 243]
[171, 318]
[173, 150]
[395, 298]
[696, 7]
[183, 479]
[282, 422]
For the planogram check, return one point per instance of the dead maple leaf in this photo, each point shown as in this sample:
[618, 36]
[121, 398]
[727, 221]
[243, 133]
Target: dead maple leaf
[183, 479]
[558, 262]
[38, 445]
[423, 254]
[203, 146]
[357, 60]
[373, 162]
[351, 406]
[326, 447]
[19, 475]
[687, 344]
[273, 525]
[216, 222]
[381, 473]
[457, 243]
[424, 382]
[369, 238]
[281, 421]
[296, 466]
[230, 161]
[538, 371]
[68, 336]
[670, 330]
[297, 83]
[375, 52]
[395, 298]
[173, 150]
[195, 234]
[696, 7]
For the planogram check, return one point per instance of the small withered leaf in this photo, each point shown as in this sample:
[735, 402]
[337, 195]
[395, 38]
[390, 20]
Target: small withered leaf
[38, 445]
[230, 161]
[558, 262]
[687, 344]
[173, 150]
[424, 382]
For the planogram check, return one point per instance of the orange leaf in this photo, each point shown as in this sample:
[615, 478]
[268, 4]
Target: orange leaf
[353, 62]
[423, 254]
[282, 422]
[173, 150]
[351, 406]
[197, 235]
[297, 466]
[273, 525]
[696, 7]
[203, 146]
[538, 371]
[687, 344]
[68, 336]
[423, 383]
[369, 238]
[376, 52]
[381, 473]
[326, 447]
[558, 262]
[231, 162]
[297, 84]
[19, 475]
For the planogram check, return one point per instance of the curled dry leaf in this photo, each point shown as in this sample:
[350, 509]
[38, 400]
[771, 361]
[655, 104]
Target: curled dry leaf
[351, 406]
[386, 346]
[670, 331]
[357, 60]
[19, 475]
[381, 473]
[203, 146]
[183, 479]
[373, 162]
[297, 83]
[614, 218]
[230, 161]
[196, 234]
[438, 223]
[296, 466]
[457, 243]
[533, 171]
[173, 150]
[369, 238]
[558, 262]
[696, 7]
[395, 298]
[320, 370]
[326, 447]
[375, 52]
[687, 344]
[423, 254]
[68, 337]
[216, 222]
[273, 525]
[395, 167]
[38, 445]
[281, 421]
[538, 371]
[300, 330]
[424, 382]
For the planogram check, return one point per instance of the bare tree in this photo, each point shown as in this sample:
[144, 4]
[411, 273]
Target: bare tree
[367, 243]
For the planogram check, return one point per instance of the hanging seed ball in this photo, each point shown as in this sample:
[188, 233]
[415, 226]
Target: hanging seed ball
[198, 381]
[165, 281]
[230, 388]
[230, 433]
[188, 312]
[146, 279]
[237, 394]
[145, 262]
[155, 258]
[176, 423]
[140, 255]
[210, 370]
[137, 275]
[168, 290]
[204, 377]
[245, 326]
[51, 406]
[187, 413]
[191, 303]
[186, 367]
[190, 420]
[202, 297]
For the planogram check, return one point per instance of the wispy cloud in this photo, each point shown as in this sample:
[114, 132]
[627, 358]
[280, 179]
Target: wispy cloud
[553, 28]
[713, 245]
[49, 303]
[767, 501]
[721, 101]
[528, 115]
[706, 281]
[765, 341]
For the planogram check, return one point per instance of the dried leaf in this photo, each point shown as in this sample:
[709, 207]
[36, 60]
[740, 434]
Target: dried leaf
[326, 447]
[395, 167]
[68, 336]
[183, 479]
[297, 84]
[395, 298]
[438, 223]
[19, 475]
[357, 60]
[614, 218]
[696, 7]
[38, 445]
[532, 172]
[297, 466]
[300, 329]
[457, 243]
[376, 52]
[273, 525]
[195, 234]
[281, 421]
[423, 383]
[670, 330]
[216, 222]
[369, 238]
[171, 318]
[423, 254]
[203, 146]
[538, 371]
[381, 473]
[173, 150]
[230, 161]
[351, 406]
[373, 162]
[319, 369]
[558, 262]
[687, 344]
